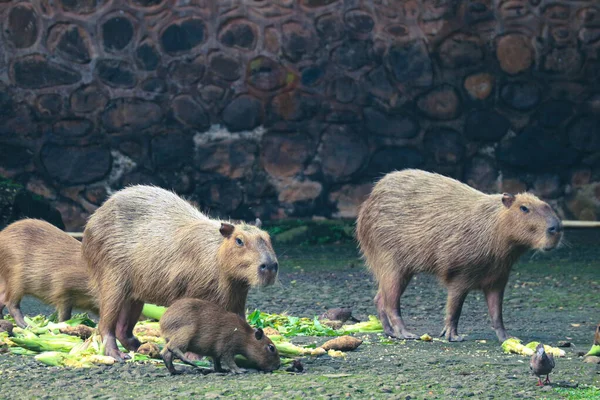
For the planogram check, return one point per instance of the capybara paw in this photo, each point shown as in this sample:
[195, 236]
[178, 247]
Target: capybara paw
[119, 356]
[408, 335]
[455, 338]
[502, 336]
[133, 344]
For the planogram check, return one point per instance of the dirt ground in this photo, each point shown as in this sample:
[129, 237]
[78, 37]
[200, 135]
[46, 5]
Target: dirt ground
[551, 297]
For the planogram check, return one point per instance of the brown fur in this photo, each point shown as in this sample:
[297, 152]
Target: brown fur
[146, 244]
[415, 221]
[40, 260]
[207, 329]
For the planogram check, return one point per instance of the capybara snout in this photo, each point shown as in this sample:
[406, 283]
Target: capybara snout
[534, 222]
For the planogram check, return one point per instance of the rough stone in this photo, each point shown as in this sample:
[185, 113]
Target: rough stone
[584, 133]
[49, 105]
[70, 42]
[343, 152]
[88, 98]
[187, 72]
[36, 72]
[154, 85]
[379, 85]
[284, 154]
[19, 123]
[239, 34]
[17, 203]
[460, 50]
[224, 66]
[117, 33]
[183, 36]
[348, 198]
[297, 41]
[74, 165]
[294, 191]
[130, 113]
[293, 106]
[521, 96]
[266, 74]
[38, 186]
[311, 76]
[584, 203]
[479, 86]
[211, 93]
[400, 126]
[22, 26]
[581, 177]
[330, 27]
[243, 114]
[147, 57]
[393, 158]
[445, 145]
[547, 186]
[482, 174]
[351, 55]
[189, 112]
[513, 185]
[79, 6]
[553, 113]
[224, 197]
[73, 127]
[230, 158]
[74, 216]
[344, 89]
[115, 73]
[172, 150]
[441, 103]
[564, 61]
[486, 125]
[534, 150]
[96, 194]
[514, 53]
[359, 21]
[410, 64]
[14, 156]
[317, 3]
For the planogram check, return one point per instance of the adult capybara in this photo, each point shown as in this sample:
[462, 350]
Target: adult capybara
[146, 244]
[40, 260]
[415, 221]
[207, 329]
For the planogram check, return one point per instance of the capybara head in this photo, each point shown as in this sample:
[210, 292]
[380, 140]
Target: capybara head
[262, 351]
[247, 254]
[531, 221]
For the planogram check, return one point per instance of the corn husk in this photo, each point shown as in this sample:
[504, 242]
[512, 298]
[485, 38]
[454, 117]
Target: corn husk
[153, 312]
[514, 345]
[555, 351]
[372, 325]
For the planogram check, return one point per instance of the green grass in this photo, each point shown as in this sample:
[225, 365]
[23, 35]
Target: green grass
[588, 392]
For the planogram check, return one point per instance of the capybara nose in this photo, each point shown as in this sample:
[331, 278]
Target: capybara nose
[269, 267]
[555, 228]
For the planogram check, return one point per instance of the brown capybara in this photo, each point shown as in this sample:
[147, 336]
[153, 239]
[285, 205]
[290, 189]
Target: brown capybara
[40, 260]
[415, 221]
[146, 244]
[206, 329]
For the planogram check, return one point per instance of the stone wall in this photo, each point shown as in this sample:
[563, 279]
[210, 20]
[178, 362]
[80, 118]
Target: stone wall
[278, 108]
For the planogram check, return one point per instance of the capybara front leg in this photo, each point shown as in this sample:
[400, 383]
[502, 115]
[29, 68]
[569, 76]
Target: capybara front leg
[2, 298]
[167, 356]
[229, 362]
[123, 331]
[64, 312]
[391, 291]
[14, 308]
[456, 299]
[494, 298]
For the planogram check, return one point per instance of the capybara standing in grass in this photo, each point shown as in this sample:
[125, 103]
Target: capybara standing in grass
[207, 329]
[415, 221]
[146, 244]
[38, 259]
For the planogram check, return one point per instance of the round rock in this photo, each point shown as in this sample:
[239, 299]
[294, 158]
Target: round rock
[460, 50]
[330, 27]
[130, 113]
[117, 32]
[88, 98]
[230, 158]
[69, 41]
[172, 150]
[393, 159]
[225, 67]
[22, 26]
[441, 103]
[265, 74]
[147, 57]
[486, 125]
[584, 133]
[445, 145]
[514, 53]
[297, 41]
[238, 33]
[351, 55]
[243, 114]
[75, 165]
[73, 127]
[183, 35]
[521, 96]
[284, 154]
[400, 126]
[36, 72]
[554, 112]
[359, 21]
[115, 73]
[187, 111]
[343, 152]
[479, 86]
[410, 63]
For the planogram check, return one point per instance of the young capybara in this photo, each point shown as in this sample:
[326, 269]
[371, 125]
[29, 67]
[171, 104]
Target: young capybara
[146, 244]
[40, 260]
[207, 329]
[415, 221]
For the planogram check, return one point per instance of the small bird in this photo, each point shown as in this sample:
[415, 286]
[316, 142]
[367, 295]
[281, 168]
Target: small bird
[339, 314]
[6, 326]
[541, 364]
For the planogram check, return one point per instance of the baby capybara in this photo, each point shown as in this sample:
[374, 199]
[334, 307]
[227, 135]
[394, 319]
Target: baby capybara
[146, 244]
[38, 259]
[208, 330]
[415, 221]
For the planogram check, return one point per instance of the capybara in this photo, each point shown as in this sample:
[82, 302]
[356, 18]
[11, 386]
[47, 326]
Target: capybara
[146, 244]
[38, 259]
[207, 329]
[415, 221]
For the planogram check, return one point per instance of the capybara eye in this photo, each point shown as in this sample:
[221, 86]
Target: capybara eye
[239, 242]
[524, 209]
[271, 348]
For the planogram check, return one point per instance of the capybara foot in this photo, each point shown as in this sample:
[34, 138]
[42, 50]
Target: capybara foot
[451, 335]
[118, 355]
[502, 335]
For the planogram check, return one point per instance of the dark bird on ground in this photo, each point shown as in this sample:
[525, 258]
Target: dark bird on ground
[339, 314]
[541, 364]
[6, 326]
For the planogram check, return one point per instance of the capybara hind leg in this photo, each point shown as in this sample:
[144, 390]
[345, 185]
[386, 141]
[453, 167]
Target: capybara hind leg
[391, 290]
[456, 299]
[2, 299]
[123, 331]
[385, 323]
[167, 356]
[135, 310]
[14, 308]
[494, 298]
[110, 309]
[64, 312]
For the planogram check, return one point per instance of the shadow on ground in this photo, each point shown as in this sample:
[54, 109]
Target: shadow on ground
[551, 297]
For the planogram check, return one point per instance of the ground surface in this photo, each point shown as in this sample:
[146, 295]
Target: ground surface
[550, 297]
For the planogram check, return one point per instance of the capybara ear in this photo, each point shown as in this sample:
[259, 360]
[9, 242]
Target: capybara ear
[508, 199]
[226, 229]
[258, 334]
[258, 223]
